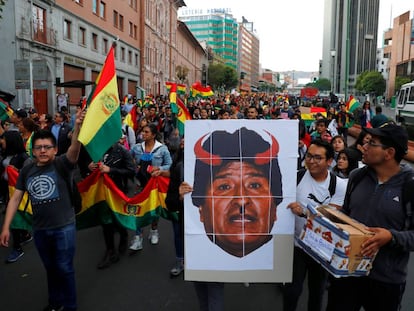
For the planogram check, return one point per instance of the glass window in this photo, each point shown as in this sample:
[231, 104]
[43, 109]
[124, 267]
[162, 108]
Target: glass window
[67, 29]
[102, 10]
[82, 36]
[95, 41]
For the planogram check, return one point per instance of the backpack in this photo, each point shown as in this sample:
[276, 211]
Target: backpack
[332, 181]
[407, 194]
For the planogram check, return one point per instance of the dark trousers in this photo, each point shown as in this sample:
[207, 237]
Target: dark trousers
[317, 278]
[344, 132]
[178, 227]
[210, 295]
[352, 293]
[109, 234]
[56, 248]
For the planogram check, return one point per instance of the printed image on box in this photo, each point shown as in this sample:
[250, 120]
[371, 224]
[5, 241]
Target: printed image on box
[334, 240]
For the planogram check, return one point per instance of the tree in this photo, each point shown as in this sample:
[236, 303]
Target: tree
[399, 81]
[222, 76]
[371, 82]
[321, 84]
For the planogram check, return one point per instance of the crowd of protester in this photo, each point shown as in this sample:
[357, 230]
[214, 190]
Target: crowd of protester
[154, 147]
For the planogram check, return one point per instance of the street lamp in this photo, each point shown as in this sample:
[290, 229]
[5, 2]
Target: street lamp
[333, 66]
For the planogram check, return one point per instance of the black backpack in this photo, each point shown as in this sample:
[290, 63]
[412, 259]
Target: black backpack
[407, 193]
[143, 174]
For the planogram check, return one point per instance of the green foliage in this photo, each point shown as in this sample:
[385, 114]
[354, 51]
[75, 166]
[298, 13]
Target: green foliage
[399, 81]
[222, 76]
[371, 82]
[322, 84]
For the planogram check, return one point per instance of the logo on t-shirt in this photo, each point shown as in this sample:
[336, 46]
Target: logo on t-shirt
[43, 188]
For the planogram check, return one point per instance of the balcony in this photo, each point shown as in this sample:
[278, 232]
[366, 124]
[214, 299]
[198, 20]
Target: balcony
[46, 36]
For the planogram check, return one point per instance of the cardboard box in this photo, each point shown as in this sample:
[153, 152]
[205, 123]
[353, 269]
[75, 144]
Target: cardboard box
[334, 240]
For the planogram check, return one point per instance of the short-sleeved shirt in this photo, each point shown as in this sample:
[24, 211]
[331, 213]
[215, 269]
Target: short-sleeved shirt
[48, 193]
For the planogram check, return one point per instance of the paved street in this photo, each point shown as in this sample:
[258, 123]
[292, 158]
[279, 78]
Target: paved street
[140, 282]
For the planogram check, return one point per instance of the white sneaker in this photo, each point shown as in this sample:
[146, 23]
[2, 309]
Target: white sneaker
[136, 243]
[178, 267]
[154, 236]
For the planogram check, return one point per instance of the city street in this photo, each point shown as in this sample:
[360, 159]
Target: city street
[138, 282]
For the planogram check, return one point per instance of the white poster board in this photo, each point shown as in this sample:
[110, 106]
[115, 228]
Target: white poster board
[237, 226]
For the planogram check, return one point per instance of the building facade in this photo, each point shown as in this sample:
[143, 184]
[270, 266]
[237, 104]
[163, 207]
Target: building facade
[350, 42]
[248, 56]
[399, 51]
[218, 28]
[47, 42]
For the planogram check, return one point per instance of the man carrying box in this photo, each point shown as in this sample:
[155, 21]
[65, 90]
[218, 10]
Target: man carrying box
[315, 188]
[376, 197]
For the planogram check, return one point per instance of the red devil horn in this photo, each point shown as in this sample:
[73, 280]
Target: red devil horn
[269, 154]
[204, 156]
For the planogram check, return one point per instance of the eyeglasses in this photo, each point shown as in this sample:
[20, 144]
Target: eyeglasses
[372, 143]
[317, 158]
[46, 147]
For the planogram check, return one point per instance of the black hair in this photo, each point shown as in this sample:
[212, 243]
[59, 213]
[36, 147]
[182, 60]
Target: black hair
[241, 146]
[43, 134]
[329, 151]
[14, 143]
[352, 157]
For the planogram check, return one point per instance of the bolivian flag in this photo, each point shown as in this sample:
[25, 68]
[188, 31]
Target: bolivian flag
[102, 202]
[202, 91]
[5, 110]
[308, 114]
[173, 98]
[181, 88]
[352, 104]
[102, 124]
[23, 217]
[182, 116]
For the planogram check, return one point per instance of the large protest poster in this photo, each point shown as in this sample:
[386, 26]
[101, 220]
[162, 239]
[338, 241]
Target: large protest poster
[243, 174]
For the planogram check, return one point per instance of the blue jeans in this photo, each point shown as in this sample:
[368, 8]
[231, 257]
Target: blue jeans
[56, 248]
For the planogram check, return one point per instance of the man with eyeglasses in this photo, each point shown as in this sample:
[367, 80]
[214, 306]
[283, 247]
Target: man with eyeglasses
[54, 228]
[379, 200]
[312, 189]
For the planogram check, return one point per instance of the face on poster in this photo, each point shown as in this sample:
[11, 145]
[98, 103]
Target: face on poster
[240, 171]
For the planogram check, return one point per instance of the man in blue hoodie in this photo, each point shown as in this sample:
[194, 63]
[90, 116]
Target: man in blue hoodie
[377, 201]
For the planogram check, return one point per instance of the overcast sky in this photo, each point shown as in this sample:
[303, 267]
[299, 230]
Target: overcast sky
[291, 32]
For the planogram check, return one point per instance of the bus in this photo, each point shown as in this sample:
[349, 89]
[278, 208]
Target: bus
[404, 110]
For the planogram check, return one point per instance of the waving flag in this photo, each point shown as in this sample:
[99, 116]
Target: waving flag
[181, 88]
[352, 104]
[102, 124]
[173, 98]
[202, 91]
[182, 116]
[131, 119]
[102, 200]
[5, 110]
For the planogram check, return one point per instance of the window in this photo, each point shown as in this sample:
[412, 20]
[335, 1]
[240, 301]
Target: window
[79, 2]
[67, 29]
[122, 54]
[105, 46]
[130, 57]
[115, 19]
[94, 6]
[136, 60]
[39, 24]
[135, 32]
[94, 41]
[102, 10]
[121, 22]
[131, 29]
[82, 36]
[133, 4]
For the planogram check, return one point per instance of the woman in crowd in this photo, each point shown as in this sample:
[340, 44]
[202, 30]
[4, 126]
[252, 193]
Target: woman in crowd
[14, 154]
[152, 157]
[362, 139]
[338, 143]
[26, 128]
[346, 162]
[366, 114]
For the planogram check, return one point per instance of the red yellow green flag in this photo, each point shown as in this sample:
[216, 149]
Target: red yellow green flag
[352, 104]
[5, 110]
[202, 91]
[102, 201]
[181, 88]
[102, 124]
[182, 116]
[173, 98]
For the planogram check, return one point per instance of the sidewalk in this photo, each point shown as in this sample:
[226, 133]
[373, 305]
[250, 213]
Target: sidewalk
[356, 129]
